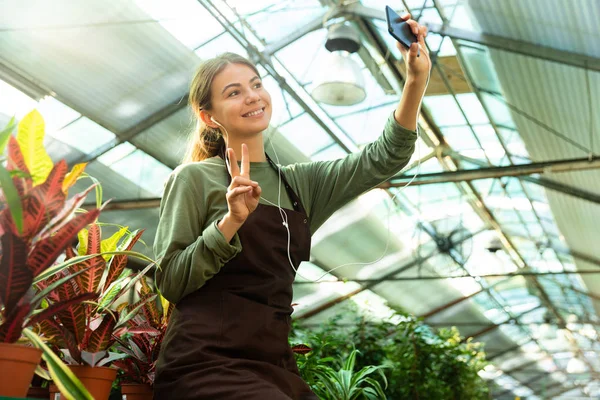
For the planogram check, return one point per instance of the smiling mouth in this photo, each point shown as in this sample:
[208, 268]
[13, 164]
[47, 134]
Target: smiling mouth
[255, 113]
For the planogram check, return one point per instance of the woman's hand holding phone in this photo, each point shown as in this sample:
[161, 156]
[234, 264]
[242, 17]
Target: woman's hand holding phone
[417, 67]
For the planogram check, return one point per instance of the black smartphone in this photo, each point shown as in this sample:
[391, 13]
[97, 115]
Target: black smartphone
[400, 30]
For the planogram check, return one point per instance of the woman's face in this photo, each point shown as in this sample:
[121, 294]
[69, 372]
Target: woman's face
[239, 101]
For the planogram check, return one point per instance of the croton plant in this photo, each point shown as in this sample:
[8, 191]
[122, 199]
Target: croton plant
[37, 224]
[144, 335]
[84, 332]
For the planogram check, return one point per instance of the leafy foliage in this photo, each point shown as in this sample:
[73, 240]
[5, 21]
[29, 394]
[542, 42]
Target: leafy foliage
[86, 331]
[36, 224]
[143, 338]
[422, 364]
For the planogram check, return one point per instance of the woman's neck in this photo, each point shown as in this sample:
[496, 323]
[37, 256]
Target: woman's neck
[255, 145]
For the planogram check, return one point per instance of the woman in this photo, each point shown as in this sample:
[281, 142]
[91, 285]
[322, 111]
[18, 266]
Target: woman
[224, 248]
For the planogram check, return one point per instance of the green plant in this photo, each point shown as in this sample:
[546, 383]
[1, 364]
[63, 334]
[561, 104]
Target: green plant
[85, 332]
[143, 339]
[343, 383]
[424, 364]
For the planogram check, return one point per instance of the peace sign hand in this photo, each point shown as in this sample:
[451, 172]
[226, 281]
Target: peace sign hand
[242, 194]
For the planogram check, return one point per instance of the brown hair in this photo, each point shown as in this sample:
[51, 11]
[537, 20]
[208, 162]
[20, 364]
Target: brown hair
[204, 141]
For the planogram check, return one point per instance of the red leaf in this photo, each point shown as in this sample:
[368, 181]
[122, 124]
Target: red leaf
[46, 251]
[119, 262]
[74, 317]
[71, 343]
[51, 332]
[10, 330]
[101, 338]
[44, 201]
[64, 215]
[16, 161]
[301, 349]
[69, 253]
[15, 277]
[60, 306]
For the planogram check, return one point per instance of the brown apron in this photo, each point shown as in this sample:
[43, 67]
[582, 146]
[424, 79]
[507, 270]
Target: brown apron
[229, 339]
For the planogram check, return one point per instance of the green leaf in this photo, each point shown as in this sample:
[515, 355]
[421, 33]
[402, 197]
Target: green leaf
[42, 373]
[12, 198]
[30, 136]
[68, 384]
[75, 260]
[5, 134]
[110, 244]
[82, 236]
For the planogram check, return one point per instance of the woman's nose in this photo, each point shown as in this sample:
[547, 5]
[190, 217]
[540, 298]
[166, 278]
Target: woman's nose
[252, 97]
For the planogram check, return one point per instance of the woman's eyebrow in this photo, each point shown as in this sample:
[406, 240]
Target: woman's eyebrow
[237, 84]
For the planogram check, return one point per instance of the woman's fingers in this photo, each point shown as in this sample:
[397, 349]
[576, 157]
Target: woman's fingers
[257, 192]
[234, 168]
[241, 181]
[404, 17]
[238, 191]
[245, 161]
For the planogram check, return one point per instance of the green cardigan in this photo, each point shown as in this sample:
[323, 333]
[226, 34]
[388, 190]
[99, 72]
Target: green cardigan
[193, 249]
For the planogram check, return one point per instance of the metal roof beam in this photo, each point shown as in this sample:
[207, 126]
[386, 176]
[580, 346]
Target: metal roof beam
[554, 166]
[519, 47]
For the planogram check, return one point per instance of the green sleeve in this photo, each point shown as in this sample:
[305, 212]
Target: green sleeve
[325, 186]
[190, 254]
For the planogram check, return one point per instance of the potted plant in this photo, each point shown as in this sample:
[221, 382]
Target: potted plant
[85, 332]
[36, 224]
[344, 383]
[141, 343]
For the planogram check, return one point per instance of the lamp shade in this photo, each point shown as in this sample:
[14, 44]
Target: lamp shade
[340, 82]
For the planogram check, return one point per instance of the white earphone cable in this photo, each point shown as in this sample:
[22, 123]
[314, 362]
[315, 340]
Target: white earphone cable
[284, 216]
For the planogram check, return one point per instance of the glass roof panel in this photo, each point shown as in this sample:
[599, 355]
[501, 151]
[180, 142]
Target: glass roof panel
[305, 134]
[13, 102]
[472, 108]
[274, 22]
[56, 114]
[444, 110]
[219, 45]
[84, 135]
[143, 170]
[181, 19]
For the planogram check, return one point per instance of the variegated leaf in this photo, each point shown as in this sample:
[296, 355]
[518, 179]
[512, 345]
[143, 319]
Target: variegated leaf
[30, 135]
[110, 244]
[119, 262]
[11, 329]
[44, 201]
[46, 251]
[60, 306]
[15, 277]
[101, 338]
[72, 176]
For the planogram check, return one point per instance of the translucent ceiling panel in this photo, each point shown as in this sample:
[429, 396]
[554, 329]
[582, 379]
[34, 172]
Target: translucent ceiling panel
[56, 114]
[444, 110]
[84, 135]
[143, 170]
[219, 45]
[303, 56]
[13, 102]
[186, 20]
[306, 134]
[274, 22]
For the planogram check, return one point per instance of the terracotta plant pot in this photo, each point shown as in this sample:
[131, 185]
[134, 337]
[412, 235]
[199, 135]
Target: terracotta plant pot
[136, 391]
[17, 366]
[97, 380]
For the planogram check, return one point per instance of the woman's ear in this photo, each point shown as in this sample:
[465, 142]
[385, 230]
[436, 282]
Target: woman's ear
[206, 118]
